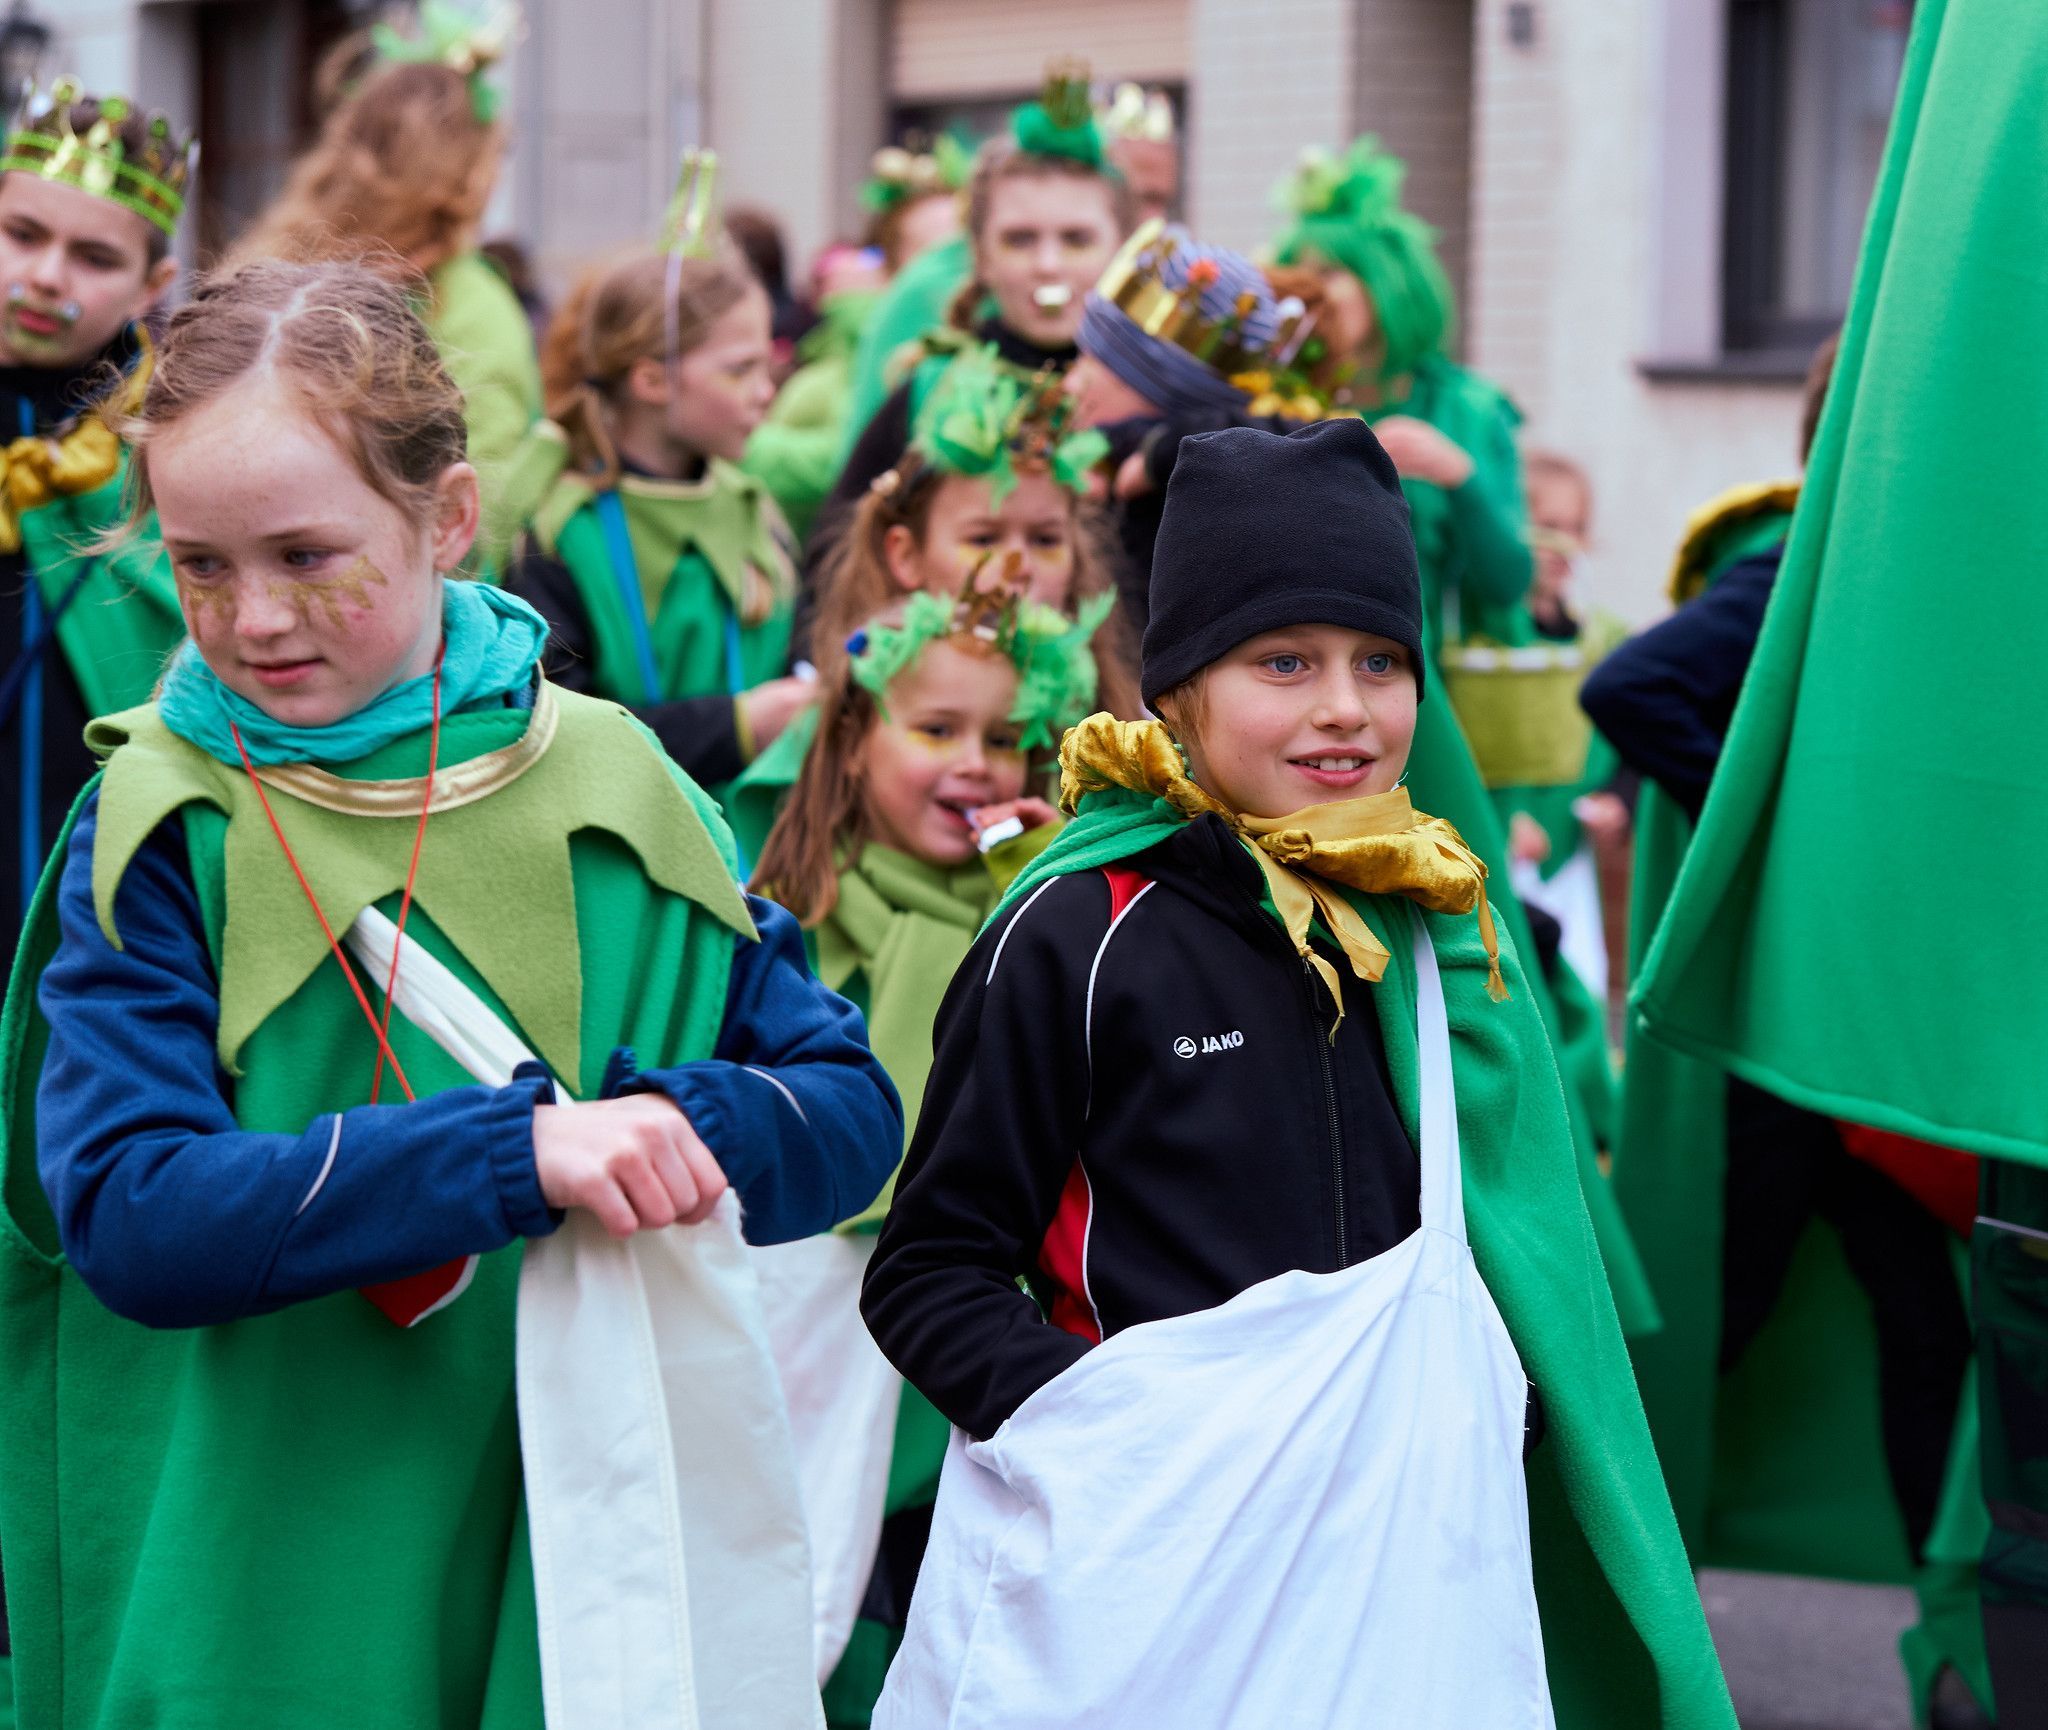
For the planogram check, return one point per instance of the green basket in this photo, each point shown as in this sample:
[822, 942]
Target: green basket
[1520, 711]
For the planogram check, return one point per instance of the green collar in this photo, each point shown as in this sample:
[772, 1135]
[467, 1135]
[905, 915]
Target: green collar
[499, 839]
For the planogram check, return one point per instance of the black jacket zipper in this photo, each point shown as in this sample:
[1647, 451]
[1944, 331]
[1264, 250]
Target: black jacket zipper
[1321, 1020]
[1320, 1026]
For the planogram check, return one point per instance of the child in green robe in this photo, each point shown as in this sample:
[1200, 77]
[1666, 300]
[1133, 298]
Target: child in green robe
[666, 575]
[994, 483]
[1181, 1243]
[918, 802]
[270, 1227]
[401, 173]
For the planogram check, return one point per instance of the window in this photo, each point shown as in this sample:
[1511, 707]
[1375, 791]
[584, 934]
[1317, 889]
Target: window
[1811, 84]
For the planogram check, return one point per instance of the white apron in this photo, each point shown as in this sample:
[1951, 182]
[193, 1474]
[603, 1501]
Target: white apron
[842, 1396]
[669, 1566]
[1304, 1508]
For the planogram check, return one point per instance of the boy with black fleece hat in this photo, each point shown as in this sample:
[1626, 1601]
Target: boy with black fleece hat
[1225, 1083]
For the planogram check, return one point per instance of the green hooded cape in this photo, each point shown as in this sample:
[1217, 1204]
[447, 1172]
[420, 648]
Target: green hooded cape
[313, 1516]
[1625, 1640]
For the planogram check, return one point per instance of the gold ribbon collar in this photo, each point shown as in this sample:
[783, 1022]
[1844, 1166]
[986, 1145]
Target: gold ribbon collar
[1377, 845]
[35, 469]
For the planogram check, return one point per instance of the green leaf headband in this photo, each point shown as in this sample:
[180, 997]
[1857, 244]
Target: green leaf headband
[1055, 666]
[450, 37]
[983, 416]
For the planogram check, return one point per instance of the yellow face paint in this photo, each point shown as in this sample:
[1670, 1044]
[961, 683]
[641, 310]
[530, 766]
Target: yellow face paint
[328, 595]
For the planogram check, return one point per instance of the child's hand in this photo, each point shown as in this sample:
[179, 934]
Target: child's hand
[1030, 812]
[770, 707]
[635, 1162]
[1528, 840]
[1422, 453]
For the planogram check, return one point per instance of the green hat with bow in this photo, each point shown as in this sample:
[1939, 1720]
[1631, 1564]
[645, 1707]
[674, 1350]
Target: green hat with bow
[983, 417]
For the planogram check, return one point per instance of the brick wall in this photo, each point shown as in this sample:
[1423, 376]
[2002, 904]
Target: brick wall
[1264, 80]
[1414, 89]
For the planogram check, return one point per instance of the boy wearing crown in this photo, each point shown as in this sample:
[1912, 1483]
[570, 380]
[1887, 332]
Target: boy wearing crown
[91, 189]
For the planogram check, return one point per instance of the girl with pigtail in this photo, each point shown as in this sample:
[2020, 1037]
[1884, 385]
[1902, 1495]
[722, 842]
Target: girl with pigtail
[665, 574]
[991, 487]
[921, 797]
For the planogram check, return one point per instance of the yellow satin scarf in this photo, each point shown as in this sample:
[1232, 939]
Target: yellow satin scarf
[1379, 845]
[35, 469]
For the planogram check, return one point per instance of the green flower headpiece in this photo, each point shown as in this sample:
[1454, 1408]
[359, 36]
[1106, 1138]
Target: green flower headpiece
[983, 417]
[1347, 211]
[897, 175]
[1062, 121]
[450, 37]
[1055, 666]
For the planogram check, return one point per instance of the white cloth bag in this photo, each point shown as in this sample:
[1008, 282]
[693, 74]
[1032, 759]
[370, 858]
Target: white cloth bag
[842, 1396]
[669, 1562]
[1302, 1508]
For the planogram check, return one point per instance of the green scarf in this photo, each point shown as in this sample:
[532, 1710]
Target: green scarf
[905, 927]
[492, 645]
[1625, 1641]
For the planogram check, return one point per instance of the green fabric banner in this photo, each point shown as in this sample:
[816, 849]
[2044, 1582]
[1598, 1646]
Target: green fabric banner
[1886, 751]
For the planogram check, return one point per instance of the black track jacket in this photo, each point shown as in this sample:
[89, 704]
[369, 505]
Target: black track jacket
[1135, 1108]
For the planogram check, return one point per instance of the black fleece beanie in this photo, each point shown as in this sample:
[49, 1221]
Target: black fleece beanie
[1261, 531]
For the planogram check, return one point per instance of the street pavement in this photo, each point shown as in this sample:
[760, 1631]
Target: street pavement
[1810, 1654]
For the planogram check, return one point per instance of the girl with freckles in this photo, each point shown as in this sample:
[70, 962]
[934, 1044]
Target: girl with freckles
[261, 1229]
[1241, 1238]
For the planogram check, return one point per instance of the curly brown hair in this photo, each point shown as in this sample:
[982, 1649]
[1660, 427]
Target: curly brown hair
[400, 174]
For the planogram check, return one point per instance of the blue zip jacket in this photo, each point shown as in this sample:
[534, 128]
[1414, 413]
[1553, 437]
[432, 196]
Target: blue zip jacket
[174, 1216]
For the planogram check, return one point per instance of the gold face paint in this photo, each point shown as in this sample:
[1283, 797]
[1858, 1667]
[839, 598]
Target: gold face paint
[214, 602]
[328, 595]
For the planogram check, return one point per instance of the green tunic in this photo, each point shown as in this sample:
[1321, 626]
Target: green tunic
[487, 345]
[699, 599]
[312, 1516]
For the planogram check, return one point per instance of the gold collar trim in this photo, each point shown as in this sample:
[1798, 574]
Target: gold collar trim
[463, 784]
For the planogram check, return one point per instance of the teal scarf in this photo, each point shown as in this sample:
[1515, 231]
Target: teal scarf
[493, 645]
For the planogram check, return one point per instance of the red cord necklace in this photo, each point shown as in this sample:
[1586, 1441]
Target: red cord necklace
[380, 1027]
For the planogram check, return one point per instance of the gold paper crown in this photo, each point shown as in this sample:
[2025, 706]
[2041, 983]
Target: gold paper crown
[690, 228]
[47, 142]
[1064, 95]
[1135, 284]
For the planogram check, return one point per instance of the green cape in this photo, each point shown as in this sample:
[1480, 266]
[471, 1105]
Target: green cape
[486, 344]
[124, 622]
[159, 1487]
[1798, 905]
[914, 303]
[1625, 1640]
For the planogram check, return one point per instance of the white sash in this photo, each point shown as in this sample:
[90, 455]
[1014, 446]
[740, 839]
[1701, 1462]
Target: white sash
[842, 1397]
[1302, 1508]
[669, 1563]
